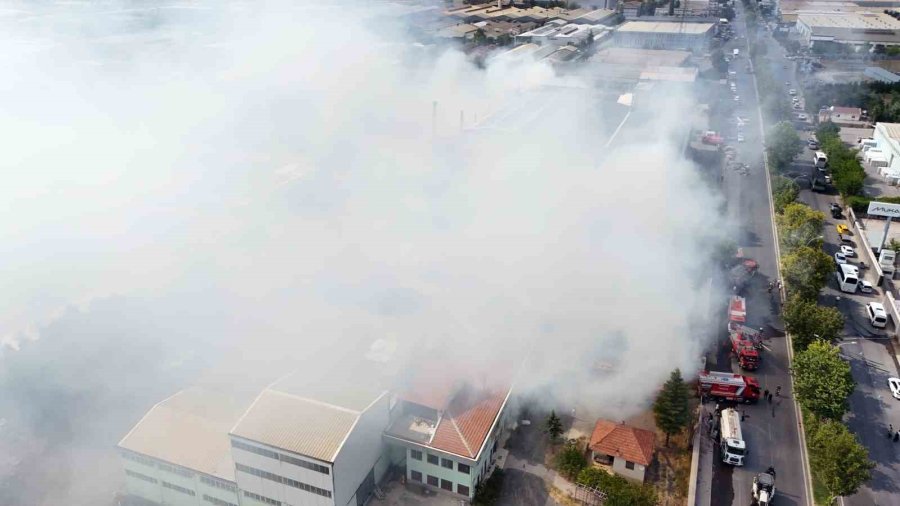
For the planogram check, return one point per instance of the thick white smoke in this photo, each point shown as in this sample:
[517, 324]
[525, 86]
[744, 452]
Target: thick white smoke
[278, 167]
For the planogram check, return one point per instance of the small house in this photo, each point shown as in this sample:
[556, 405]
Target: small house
[627, 450]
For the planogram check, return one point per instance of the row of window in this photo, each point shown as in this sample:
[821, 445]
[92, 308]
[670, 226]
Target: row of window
[217, 501]
[176, 488]
[176, 470]
[140, 476]
[262, 498]
[281, 479]
[224, 485]
[140, 459]
[147, 461]
[446, 463]
[281, 457]
[444, 484]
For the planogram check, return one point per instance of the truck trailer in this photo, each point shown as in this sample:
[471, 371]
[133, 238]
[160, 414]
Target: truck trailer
[728, 386]
[731, 440]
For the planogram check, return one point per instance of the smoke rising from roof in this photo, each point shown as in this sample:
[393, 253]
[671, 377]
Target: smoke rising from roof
[201, 187]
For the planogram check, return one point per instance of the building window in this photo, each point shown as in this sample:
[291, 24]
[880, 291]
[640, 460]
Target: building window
[432, 459]
[176, 488]
[262, 498]
[447, 463]
[284, 481]
[462, 490]
[217, 501]
[277, 456]
[447, 485]
[629, 465]
[415, 454]
[140, 476]
[415, 476]
[463, 468]
[176, 470]
[432, 480]
[224, 485]
[140, 459]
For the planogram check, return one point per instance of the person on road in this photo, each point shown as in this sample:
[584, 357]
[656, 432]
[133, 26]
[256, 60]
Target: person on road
[766, 393]
[778, 391]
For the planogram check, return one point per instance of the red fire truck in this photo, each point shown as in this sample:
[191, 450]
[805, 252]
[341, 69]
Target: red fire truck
[744, 348]
[728, 386]
[737, 312]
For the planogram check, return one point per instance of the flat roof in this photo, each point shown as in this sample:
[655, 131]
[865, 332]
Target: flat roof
[849, 20]
[666, 27]
[190, 429]
[641, 57]
[891, 130]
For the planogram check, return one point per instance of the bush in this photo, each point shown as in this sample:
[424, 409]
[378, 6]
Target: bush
[784, 192]
[570, 461]
[618, 490]
[488, 491]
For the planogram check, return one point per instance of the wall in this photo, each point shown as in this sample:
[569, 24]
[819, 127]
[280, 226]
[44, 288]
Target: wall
[156, 492]
[361, 451]
[453, 475]
[637, 474]
[275, 490]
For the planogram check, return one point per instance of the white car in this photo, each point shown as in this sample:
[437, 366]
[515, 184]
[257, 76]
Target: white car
[737, 98]
[877, 315]
[786, 83]
[840, 258]
[866, 287]
[847, 251]
[792, 92]
[894, 384]
[740, 138]
[801, 117]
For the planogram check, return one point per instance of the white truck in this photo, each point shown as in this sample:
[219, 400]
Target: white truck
[821, 160]
[731, 442]
[736, 53]
[886, 260]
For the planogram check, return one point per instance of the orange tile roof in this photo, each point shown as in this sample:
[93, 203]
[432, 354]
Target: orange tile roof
[468, 421]
[620, 440]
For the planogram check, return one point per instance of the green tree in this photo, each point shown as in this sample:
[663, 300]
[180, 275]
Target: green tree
[783, 145]
[827, 130]
[822, 380]
[808, 321]
[570, 461]
[837, 458]
[618, 490]
[554, 426]
[805, 271]
[784, 192]
[799, 225]
[671, 408]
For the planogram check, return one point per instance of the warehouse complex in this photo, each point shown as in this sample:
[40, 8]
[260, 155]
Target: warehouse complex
[853, 28]
[665, 35]
[309, 442]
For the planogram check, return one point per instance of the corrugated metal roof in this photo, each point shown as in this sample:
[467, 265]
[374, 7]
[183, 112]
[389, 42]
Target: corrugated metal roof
[892, 130]
[665, 27]
[189, 429]
[299, 425]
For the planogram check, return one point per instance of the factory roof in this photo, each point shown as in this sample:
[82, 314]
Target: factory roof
[189, 429]
[849, 20]
[666, 27]
[891, 130]
[641, 57]
[881, 74]
[595, 16]
[457, 31]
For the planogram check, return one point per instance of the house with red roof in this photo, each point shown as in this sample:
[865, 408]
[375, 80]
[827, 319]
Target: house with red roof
[447, 432]
[627, 450]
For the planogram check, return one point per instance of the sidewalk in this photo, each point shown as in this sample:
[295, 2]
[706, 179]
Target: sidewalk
[549, 476]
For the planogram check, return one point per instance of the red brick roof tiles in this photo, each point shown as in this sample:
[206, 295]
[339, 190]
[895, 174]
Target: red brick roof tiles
[467, 422]
[620, 440]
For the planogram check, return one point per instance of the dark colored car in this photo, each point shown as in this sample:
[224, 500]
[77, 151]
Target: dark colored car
[836, 211]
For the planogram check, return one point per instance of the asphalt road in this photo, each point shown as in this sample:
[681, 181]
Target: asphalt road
[771, 430]
[872, 409]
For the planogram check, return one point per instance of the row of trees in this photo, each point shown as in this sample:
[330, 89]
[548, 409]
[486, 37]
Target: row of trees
[822, 380]
[881, 100]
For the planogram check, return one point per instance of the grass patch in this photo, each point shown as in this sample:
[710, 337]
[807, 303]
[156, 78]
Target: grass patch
[820, 494]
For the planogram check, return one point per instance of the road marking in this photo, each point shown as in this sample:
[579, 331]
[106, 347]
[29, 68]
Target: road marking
[801, 433]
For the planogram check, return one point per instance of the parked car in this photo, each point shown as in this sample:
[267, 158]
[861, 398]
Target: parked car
[792, 92]
[827, 178]
[812, 144]
[877, 314]
[801, 117]
[866, 287]
[848, 251]
[836, 210]
[797, 106]
[842, 229]
[740, 138]
[840, 258]
[894, 385]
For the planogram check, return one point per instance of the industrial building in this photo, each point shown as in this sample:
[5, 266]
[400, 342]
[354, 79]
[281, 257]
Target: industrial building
[850, 28]
[561, 35]
[881, 75]
[664, 35]
[306, 441]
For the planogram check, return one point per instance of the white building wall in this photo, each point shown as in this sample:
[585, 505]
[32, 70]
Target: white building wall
[636, 474]
[361, 451]
[160, 472]
[279, 491]
[888, 146]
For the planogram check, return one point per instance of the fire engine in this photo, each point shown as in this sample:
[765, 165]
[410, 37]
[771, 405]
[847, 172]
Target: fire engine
[728, 386]
[737, 312]
[743, 346]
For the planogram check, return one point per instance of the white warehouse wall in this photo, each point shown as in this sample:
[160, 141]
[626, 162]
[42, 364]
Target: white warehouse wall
[360, 452]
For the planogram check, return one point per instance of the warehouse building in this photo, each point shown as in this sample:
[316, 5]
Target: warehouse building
[664, 35]
[848, 28]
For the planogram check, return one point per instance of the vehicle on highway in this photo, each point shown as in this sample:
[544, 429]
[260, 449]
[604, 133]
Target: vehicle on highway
[731, 440]
[848, 251]
[866, 287]
[812, 144]
[847, 277]
[877, 314]
[842, 229]
[894, 384]
[797, 106]
[728, 386]
[840, 258]
[763, 490]
[792, 92]
[835, 209]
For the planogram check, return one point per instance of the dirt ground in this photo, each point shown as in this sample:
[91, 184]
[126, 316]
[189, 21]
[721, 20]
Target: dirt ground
[672, 468]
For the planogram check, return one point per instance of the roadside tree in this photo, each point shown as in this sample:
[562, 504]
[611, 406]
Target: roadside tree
[671, 408]
[805, 271]
[554, 426]
[784, 192]
[808, 321]
[822, 380]
[570, 461]
[837, 458]
[799, 225]
[783, 145]
[827, 130]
